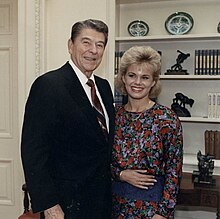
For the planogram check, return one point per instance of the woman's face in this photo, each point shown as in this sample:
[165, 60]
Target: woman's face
[138, 81]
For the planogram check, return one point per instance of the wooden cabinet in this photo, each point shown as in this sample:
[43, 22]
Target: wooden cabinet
[204, 35]
[202, 197]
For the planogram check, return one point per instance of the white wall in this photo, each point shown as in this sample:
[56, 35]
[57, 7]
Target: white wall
[60, 17]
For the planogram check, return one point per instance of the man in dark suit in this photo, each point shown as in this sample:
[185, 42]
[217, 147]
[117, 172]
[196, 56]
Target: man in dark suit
[65, 155]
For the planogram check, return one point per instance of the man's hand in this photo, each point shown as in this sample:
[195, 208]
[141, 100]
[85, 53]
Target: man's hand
[54, 213]
[138, 178]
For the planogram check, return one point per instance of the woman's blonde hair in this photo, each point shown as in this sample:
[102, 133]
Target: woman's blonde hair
[140, 55]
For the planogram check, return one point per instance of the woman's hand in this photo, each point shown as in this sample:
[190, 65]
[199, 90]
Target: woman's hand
[54, 213]
[138, 178]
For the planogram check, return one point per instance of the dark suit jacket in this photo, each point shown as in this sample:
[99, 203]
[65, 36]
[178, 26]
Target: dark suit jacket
[65, 156]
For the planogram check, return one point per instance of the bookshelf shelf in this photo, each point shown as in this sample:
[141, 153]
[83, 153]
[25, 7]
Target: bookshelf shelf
[188, 37]
[121, 2]
[190, 77]
[199, 120]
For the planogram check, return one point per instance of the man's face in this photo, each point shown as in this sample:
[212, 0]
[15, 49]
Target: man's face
[87, 50]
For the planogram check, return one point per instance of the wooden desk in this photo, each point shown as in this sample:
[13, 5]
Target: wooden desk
[199, 196]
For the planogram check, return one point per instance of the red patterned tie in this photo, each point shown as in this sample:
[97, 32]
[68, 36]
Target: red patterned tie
[98, 108]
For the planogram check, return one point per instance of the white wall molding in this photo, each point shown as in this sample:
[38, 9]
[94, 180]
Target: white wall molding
[7, 181]
[37, 37]
[6, 118]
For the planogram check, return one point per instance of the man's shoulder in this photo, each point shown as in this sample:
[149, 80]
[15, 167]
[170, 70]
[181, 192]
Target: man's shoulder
[54, 72]
[52, 77]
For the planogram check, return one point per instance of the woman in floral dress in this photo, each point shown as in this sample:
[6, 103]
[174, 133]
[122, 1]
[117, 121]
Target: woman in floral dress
[147, 152]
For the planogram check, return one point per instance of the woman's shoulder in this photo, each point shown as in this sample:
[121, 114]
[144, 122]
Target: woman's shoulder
[164, 112]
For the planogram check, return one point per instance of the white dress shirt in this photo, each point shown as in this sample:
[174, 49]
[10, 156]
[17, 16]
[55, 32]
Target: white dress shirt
[83, 80]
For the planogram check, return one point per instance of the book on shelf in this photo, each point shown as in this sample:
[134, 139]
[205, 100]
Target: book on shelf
[214, 102]
[196, 62]
[118, 56]
[207, 62]
[218, 105]
[217, 145]
[212, 143]
[202, 62]
[214, 105]
[210, 105]
[118, 98]
[206, 135]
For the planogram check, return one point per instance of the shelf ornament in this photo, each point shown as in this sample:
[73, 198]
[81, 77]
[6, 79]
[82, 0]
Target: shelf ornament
[138, 28]
[179, 23]
[203, 177]
[177, 68]
[178, 105]
[218, 27]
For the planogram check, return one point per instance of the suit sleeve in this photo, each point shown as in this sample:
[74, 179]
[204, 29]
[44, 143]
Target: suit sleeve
[37, 144]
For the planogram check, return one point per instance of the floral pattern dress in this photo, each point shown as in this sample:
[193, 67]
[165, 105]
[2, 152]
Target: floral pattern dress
[149, 140]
